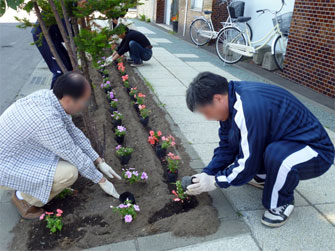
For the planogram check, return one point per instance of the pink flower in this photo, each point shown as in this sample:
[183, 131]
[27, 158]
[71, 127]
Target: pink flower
[177, 199]
[128, 218]
[125, 78]
[137, 208]
[141, 95]
[170, 155]
[164, 139]
[49, 213]
[118, 147]
[151, 133]
[159, 133]
[59, 211]
[128, 174]
[174, 192]
[144, 176]
[42, 216]
[121, 128]
[141, 107]
[58, 215]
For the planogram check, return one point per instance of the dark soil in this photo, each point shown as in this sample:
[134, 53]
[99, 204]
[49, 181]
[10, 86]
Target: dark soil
[88, 219]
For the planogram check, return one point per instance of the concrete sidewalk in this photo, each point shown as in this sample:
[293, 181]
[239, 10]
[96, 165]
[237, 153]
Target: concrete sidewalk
[174, 64]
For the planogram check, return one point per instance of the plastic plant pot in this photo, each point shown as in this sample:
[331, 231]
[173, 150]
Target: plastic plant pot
[144, 121]
[160, 152]
[124, 159]
[128, 89]
[119, 139]
[186, 181]
[127, 196]
[116, 122]
[172, 177]
[107, 89]
[136, 108]
[112, 109]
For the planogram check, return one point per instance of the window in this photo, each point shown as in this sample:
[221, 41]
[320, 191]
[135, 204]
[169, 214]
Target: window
[196, 4]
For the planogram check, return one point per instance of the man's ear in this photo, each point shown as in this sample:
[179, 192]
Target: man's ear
[218, 98]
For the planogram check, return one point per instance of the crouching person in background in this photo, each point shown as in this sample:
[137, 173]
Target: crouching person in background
[42, 151]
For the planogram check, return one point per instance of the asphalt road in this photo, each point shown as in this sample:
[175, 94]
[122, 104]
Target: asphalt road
[18, 59]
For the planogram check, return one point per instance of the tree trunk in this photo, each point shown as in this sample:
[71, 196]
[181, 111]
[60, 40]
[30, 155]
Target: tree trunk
[64, 35]
[45, 32]
[69, 29]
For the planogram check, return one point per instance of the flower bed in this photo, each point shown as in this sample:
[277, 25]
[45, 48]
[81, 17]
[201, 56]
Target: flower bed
[88, 220]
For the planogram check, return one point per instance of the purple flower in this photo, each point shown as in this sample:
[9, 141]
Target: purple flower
[118, 147]
[121, 128]
[111, 95]
[108, 82]
[103, 58]
[99, 62]
[128, 218]
[137, 208]
[102, 85]
[144, 176]
[135, 173]
[115, 99]
[128, 174]
[122, 206]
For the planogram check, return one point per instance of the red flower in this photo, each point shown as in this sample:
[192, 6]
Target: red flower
[174, 192]
[49, 213]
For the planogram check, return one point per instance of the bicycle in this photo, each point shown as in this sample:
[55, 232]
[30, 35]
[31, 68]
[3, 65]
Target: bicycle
[202, 28]
[235, 44]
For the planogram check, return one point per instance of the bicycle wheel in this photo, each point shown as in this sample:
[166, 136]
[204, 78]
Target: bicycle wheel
[200, 32]
[225, 36]
[250, 31]
[279, 49]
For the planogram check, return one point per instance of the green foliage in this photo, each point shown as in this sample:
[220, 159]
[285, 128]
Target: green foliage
[148, 20]
[142, 17]
[13, 4]
[54, 223]
[123, 151]
[65, 193]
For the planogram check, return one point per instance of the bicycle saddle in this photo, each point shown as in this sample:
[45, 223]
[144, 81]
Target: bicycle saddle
[208, 12]
[243, 19]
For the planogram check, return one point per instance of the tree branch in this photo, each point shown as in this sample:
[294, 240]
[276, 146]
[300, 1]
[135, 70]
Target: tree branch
[46, 34]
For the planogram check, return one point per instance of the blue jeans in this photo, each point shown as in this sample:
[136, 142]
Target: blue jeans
[138, 53]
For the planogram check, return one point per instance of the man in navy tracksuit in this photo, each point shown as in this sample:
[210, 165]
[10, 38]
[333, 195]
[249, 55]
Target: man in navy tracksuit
[268, 138]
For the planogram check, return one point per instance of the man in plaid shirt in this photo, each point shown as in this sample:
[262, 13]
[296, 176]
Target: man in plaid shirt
[42, 151]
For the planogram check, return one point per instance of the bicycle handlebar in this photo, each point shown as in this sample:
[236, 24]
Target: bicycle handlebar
[257, 11]
[273, 12]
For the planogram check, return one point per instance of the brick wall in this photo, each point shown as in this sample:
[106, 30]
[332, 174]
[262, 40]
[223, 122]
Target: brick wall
[220, 14]
[310, 55]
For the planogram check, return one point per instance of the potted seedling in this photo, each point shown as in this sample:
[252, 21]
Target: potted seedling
[126, 82]
[186, 181]
[124, 154]
[166, 143]
[117, 118]
[106, 86]
[65, 193]
[121, 68]
[110, 96]
[144, 115]
[105, 73]
[139, 100]
[127, 211]
[133, 93]
[131, 176]
[179, 193]
[113, 105]
[120, 133]
[172, 167]
[54, 221]
[154, 137]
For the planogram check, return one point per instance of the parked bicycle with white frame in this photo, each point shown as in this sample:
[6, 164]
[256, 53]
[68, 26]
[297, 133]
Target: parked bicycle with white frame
[232, 43]
[202, 28]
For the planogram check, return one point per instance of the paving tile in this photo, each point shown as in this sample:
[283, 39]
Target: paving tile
[186, 55]
[161, 40]
[5, 195]
[198, 133]
[305, 230]
[173, 101]
[164, 82]
[184, 116]
[145, 30]
[243, 242]
[247, 197]
[205, 151]
[321, 189]
[328, 210]
[166, 241]
[168, 91]
[220, 202]
[9, 218]
[124, 245]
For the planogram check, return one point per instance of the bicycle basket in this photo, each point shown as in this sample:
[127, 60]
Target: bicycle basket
[236, 9]
[284, 22]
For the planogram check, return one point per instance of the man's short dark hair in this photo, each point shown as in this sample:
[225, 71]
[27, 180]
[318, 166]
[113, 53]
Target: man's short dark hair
[71, 84]
[203, 88]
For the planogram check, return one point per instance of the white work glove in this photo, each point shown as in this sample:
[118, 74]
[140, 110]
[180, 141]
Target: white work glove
[108, 60]
[107, 170]
[109, 188]
[202, 183]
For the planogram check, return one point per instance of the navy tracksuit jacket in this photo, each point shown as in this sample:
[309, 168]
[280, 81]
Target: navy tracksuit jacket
[269, 133]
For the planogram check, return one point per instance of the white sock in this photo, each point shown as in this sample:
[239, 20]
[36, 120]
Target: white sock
[19, 195]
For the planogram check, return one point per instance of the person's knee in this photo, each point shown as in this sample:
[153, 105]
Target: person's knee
[132, 43]
[73, 175]
[66, 174]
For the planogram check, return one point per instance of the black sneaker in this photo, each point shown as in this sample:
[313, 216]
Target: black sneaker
[278, 216]
[257, 182]
[130, 61]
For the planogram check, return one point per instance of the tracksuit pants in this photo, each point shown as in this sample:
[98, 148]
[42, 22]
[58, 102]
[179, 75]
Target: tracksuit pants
[44, 49]
[285, 164]
[138, 53]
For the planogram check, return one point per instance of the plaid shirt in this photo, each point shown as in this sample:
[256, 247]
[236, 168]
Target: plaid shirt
[35, 132]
